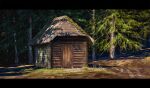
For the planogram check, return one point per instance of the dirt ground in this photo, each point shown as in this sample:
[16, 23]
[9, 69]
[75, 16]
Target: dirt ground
[107, 69]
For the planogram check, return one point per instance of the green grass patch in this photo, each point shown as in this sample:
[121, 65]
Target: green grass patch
[67, 73]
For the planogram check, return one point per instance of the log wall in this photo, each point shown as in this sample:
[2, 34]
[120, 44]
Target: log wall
[43, 56]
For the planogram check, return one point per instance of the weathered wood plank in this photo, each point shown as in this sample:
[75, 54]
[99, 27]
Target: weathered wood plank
[79, 52]
[78, 59]
[56, 58]
[78, 62]
[75, 52]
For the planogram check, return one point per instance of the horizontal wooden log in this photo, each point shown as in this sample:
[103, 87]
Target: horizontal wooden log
[56, 64]
[56, 58]
[53, 62]
[74, 50]
[78, 52]
[56, 45]
[57, 55]
[56, 61]
[82, 56]
[78, 57]
[56, 48]
[78, 62]
[57, 51]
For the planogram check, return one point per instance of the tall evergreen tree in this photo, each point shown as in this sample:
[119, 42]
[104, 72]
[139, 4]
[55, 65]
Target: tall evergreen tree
[118, 29]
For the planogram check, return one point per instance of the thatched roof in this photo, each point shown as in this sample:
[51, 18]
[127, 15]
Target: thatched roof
[60, 26]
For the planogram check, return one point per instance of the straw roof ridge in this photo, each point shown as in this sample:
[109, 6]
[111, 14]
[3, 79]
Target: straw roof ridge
[66, 18]
[47, 30]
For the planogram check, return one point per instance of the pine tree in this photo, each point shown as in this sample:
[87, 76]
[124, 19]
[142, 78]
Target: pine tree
[118, 29]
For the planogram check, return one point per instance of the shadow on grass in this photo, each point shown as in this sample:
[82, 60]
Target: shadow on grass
[14, 71]
[100, 66]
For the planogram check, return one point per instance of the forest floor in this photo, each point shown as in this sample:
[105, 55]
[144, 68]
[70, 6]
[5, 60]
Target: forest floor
[106, 69]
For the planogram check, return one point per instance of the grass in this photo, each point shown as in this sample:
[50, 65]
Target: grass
[126, 62]
[125, 68]
[146, 61]
[67, 73]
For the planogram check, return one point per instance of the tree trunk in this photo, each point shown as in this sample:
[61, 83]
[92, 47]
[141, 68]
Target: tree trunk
[30, 56]
[112, 46]
[148, 43]
[93, 54]
[16, 51]
[93, 20]
[93, 29]
[112, 37]
[15, 45]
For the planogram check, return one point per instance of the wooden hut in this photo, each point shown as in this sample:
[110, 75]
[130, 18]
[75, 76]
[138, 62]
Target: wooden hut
[61, 44]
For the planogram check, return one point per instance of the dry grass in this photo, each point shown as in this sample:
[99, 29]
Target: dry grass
[126, 62]
[67, 73]
[126, 68]
[146, 61]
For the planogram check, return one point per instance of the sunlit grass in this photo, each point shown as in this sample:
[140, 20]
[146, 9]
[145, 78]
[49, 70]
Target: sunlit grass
[146, 61]
[126, 62]
[65, 73]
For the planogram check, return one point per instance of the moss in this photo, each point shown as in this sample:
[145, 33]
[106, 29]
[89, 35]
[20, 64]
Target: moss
[38, 36]
[75, 24]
